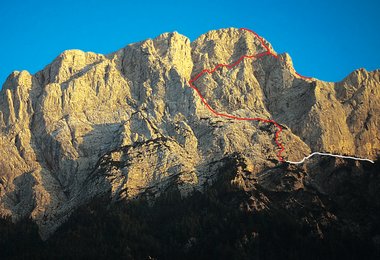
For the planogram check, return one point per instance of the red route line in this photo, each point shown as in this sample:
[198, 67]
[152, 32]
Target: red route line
[268, 52]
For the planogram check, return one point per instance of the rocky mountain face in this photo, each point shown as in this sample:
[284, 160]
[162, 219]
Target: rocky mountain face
[129, 125]
[327, 209]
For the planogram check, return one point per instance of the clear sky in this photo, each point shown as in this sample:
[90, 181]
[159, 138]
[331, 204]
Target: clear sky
[327, 39]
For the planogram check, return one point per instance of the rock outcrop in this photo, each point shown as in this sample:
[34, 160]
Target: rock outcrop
[128, 122]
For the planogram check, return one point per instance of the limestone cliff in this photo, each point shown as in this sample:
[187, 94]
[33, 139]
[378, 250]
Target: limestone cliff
[128, 122]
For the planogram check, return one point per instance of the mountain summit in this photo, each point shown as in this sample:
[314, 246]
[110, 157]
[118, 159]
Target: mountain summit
[130, 125]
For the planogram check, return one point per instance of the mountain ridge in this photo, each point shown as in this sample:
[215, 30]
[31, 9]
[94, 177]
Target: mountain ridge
[124, 122]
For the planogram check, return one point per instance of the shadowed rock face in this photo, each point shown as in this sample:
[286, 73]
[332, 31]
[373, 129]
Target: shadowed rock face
[128, 123]
[327, 209]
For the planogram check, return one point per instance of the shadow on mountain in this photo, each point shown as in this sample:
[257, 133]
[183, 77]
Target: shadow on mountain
[64, 171]
[224, 222]
[23, 188]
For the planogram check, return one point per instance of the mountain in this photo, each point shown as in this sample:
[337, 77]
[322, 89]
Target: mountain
[162, 115]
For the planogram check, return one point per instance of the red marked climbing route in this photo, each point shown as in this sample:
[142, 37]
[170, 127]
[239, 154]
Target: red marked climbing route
[268, 52]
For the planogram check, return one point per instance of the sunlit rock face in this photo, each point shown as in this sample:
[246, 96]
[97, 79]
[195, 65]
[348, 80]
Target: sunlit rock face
[129, 124]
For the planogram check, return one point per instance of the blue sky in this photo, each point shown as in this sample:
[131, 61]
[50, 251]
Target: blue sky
[326, 39]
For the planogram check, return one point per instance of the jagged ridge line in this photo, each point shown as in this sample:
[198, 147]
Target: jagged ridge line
[259, 55]
[332, 155]
[314, 153]
[229, 66]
